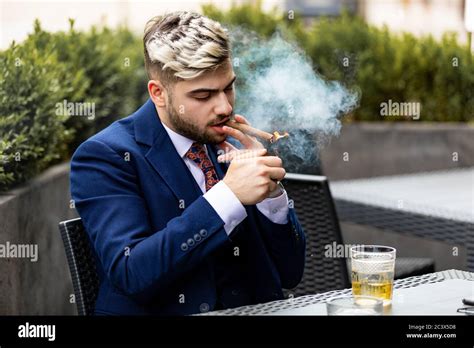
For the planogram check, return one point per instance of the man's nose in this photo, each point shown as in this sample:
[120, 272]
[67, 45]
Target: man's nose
[223, 106]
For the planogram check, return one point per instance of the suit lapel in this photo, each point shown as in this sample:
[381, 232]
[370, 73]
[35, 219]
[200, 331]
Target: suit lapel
[163, 156]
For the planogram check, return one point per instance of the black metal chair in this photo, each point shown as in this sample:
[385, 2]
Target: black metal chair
[406, 267]
[316, 212]
[81, 260]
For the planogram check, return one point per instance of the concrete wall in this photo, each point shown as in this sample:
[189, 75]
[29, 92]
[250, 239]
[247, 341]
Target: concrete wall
[375, 149]
[30, 215]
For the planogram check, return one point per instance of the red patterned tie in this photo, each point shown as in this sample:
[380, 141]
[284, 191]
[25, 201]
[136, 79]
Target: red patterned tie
[197, 153]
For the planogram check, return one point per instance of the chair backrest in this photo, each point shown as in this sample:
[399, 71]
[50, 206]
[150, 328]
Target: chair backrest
[314, 206]
[82, 266]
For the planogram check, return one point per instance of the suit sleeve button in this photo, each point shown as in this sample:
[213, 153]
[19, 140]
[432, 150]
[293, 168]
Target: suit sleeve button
[203, 233]
[204, 307]
[191, 242]
[197, 237]
[184, 247]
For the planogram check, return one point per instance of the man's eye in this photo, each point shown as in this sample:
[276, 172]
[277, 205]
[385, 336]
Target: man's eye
[202, 96]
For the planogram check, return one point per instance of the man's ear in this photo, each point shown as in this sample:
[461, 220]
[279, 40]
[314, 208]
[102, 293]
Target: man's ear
[158, 93]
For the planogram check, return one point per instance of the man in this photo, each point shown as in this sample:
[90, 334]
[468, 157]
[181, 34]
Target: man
[176, 231]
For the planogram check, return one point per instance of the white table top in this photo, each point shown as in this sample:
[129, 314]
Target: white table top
[442, 298]
[447, 194]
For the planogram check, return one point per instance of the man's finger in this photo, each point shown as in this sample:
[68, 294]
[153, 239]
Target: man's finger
[245, 140]
[241, 119]
[272, 185]
[276, 173]
[241, 154]
[271, 161]
[227, 147]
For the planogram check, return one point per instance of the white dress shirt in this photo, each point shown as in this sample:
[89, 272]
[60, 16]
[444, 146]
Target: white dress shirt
[221, 197]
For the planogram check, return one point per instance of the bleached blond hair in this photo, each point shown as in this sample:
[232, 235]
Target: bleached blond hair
[183, 45]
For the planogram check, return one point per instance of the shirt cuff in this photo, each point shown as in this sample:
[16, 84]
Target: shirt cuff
[275, 209]
[227, 205]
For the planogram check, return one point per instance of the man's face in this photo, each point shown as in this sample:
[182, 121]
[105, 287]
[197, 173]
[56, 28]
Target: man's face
[198, 108]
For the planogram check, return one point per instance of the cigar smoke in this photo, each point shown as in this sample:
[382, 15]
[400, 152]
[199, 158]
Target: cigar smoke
[278, 89]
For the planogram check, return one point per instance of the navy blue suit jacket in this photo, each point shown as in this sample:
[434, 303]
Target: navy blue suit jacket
[158, 242]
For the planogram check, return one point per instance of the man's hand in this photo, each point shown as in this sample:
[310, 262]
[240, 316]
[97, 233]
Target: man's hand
[248, 142]
[253, 179]
[250, 176]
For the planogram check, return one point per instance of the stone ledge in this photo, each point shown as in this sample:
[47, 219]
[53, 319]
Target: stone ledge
[30, 214]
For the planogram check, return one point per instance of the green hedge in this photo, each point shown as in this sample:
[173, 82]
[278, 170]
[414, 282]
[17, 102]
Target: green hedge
[382, 65]
[101, 67]
[32, 135]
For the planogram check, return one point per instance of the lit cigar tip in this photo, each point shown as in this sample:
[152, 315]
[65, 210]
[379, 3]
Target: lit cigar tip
[277, 136]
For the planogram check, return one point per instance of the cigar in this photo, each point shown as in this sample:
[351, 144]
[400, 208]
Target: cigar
[245, 128]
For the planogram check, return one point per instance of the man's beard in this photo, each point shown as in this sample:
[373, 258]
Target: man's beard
[190, 130]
